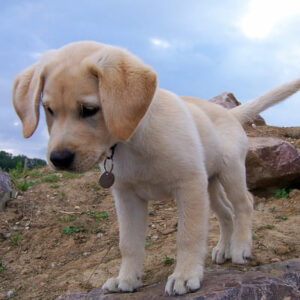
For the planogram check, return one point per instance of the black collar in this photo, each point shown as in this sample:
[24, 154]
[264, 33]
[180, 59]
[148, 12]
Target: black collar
[112, 149]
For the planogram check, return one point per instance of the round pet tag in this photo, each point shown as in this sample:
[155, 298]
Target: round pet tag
[107, 179]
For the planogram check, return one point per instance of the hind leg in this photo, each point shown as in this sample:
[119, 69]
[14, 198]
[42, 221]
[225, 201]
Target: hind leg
[233, 179]
[223, 210]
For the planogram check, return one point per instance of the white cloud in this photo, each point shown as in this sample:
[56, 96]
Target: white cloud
[160, 43]
[16, 123]
[12, 151]
[36, 55]
[264, 16]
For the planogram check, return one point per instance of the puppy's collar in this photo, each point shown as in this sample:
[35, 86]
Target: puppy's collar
[107, 179]
[112, 152]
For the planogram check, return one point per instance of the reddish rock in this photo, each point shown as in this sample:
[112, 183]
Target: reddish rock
[271, 282]
[272, 162]
[229, 101]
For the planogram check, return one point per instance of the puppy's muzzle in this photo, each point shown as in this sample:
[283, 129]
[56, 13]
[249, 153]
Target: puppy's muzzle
[62, 159]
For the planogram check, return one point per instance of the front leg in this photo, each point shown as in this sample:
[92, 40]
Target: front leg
[193, 209]
[132, 218]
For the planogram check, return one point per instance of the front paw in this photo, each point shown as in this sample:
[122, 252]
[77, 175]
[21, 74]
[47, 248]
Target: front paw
[179, 285]
[124, 285]
[240, 253]
[221, 253]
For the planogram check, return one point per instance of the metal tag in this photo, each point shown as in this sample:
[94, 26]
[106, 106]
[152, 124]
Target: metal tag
[107, 179]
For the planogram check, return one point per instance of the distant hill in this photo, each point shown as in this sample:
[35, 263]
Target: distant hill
[9, 161]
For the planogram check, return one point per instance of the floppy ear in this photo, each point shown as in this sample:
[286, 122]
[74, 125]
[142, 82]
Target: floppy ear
[26, 94]
[126, 87]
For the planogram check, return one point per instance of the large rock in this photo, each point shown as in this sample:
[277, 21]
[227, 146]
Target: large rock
[5, 189]
[272, 162]
[229, 101]
[271, 282]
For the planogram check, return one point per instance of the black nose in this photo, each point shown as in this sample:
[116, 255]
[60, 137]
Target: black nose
[62, 159]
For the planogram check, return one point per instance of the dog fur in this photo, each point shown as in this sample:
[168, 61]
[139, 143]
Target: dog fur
[167, 146]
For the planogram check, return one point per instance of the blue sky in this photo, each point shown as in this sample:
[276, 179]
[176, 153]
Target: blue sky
[198, 48]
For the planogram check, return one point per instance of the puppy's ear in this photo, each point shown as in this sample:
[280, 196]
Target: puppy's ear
[126, 87]
[26, 96]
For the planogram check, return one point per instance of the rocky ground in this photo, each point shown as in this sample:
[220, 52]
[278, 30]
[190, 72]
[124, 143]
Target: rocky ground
[61, 235]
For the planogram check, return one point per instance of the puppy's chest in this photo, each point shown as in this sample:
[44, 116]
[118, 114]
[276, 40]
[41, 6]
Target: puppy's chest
[147, 177]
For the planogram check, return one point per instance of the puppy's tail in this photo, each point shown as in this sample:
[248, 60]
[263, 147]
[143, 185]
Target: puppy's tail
[248, 111]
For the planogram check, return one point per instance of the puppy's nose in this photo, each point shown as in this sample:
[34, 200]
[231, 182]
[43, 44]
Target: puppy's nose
[62, 159]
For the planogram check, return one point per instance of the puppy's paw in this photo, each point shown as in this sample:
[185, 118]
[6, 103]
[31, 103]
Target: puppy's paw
[240, 253]
[179, 285]
[125, 285]
[221, 253]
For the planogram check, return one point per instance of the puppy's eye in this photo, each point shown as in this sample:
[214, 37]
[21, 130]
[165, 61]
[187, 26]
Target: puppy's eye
[50, 111]
[86, 112]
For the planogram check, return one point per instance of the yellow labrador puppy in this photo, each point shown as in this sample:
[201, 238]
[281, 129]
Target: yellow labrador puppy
[96, 96]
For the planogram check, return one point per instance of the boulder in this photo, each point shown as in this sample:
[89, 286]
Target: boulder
[229, 101]
[272, 162]
[269, 282]
[5, 189]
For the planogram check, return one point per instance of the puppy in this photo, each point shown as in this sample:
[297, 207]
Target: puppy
[96, 96]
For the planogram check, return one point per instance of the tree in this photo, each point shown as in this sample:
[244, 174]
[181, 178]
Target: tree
[9, 161]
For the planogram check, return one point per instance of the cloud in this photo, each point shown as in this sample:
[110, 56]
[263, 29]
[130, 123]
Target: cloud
[12, 151]
[263, 17]
[160, 43]
[36, 55]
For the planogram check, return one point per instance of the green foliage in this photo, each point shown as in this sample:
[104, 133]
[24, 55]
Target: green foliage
[282, 193]
[54, 186]
[151, 213]
[62, 193]
[148, 244]
[97, 216]
[169, 261]
[19, 177]
[70, 230]
[34, 174]
[22, 186]
[66, 219]
[95, 187]
[71, 175]
[9, 161]
[263, 227]
[51, 178]
[2, 267]
[283, 218]
[15, 239]
[17, 172]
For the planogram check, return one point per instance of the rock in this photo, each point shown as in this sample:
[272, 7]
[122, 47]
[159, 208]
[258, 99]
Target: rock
[229, 101]
[154, 237]
[272, 162]
[99, 235]
[281, 250]
[275, 259]
[9, 294]
[5, 190]
[297, 144]
[276, 281]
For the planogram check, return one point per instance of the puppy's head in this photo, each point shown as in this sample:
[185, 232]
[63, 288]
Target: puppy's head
[93, 96]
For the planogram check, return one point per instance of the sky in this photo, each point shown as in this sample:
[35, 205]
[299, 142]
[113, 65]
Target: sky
[198, 48]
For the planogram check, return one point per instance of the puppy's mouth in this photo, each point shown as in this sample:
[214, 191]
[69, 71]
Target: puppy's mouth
[79, 165]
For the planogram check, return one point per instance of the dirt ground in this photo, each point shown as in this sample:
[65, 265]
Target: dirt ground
[61, 235]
